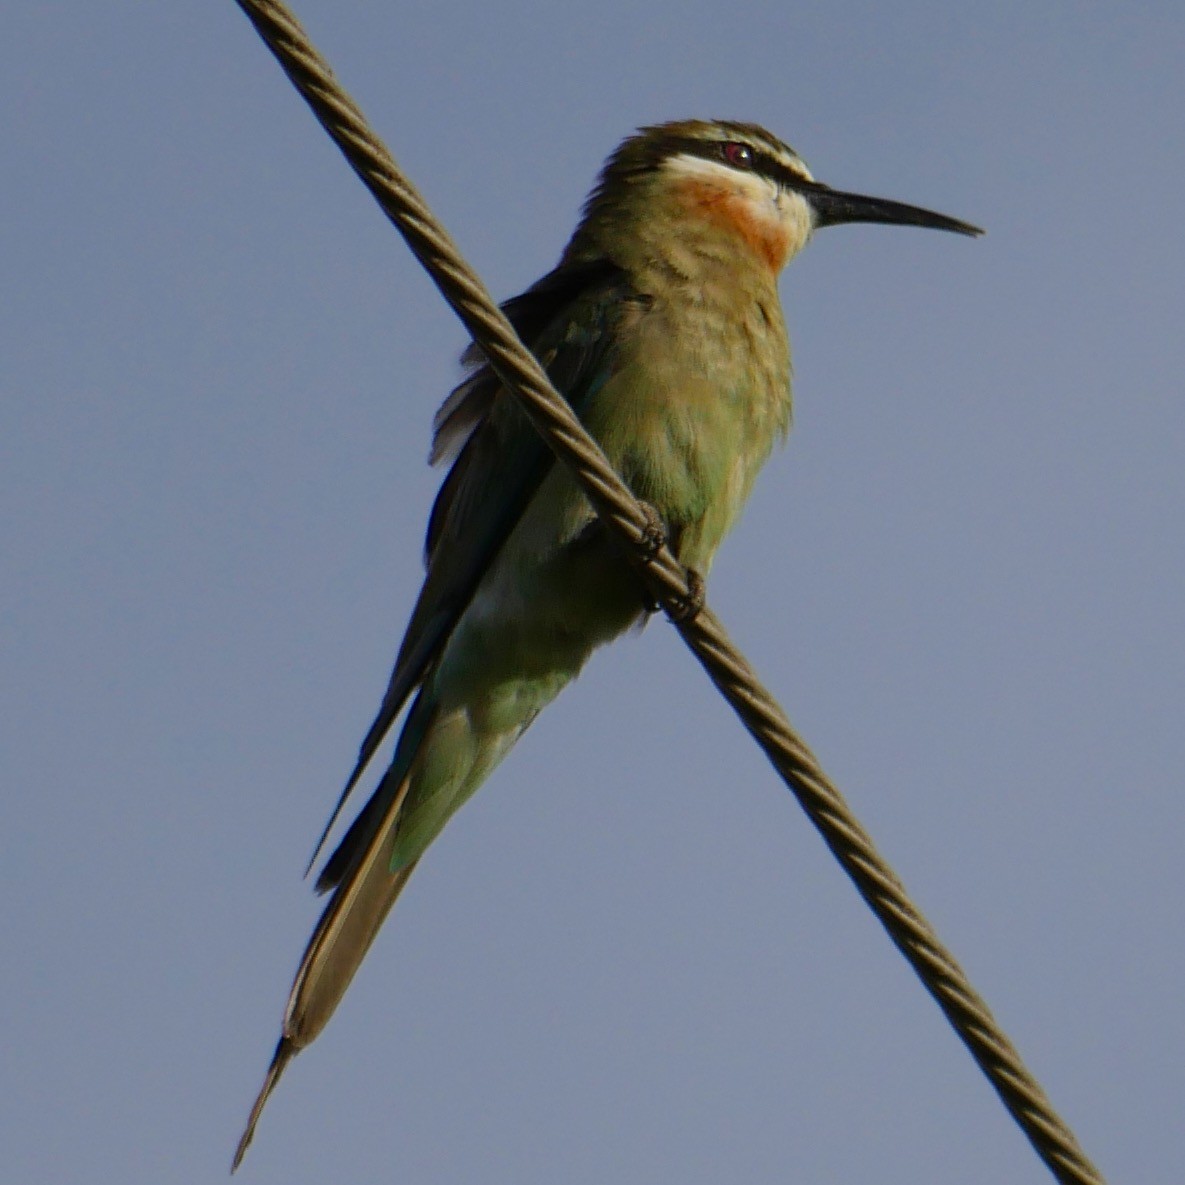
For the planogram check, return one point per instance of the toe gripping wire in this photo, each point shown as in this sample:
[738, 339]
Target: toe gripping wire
[678, 592]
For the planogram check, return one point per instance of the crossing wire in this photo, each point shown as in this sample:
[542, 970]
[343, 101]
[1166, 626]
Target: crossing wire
[522, 375]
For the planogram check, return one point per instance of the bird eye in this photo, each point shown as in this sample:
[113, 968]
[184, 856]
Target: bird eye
[740, 156]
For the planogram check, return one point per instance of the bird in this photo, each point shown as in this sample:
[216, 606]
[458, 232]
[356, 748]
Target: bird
[662, 327]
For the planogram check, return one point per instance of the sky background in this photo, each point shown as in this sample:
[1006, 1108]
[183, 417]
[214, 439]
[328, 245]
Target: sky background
[630, 959]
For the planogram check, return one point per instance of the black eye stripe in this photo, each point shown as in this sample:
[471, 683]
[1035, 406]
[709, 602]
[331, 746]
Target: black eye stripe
[768, 165]
[761, 162]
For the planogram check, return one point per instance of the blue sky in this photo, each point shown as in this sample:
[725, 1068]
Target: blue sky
[629, 958]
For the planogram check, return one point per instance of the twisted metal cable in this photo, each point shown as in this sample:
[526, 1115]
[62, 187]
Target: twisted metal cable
[941, 975]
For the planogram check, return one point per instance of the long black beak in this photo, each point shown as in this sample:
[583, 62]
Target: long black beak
[832, 208]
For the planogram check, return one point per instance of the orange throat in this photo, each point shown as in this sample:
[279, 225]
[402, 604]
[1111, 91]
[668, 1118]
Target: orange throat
[756, 227]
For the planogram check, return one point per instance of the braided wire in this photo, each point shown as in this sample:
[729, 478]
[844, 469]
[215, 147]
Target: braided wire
[522, 375]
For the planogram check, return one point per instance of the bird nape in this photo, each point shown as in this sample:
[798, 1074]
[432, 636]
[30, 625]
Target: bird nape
[661, 326]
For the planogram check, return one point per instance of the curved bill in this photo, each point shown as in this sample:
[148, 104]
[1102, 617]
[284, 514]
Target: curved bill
[831, 208]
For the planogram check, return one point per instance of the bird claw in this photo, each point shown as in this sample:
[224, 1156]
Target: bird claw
[687, 608]
[650, 543]
[653, 538]
[654, 532]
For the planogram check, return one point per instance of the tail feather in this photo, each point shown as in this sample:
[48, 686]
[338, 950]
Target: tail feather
[351, 920]
[356, 838]
[285, 1052]
[446, 758]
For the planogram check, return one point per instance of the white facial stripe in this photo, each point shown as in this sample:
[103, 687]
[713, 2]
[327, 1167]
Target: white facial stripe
[692, 165]
[753, 185]
[796, 166]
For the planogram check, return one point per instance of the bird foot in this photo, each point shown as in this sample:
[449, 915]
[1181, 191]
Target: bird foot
[654, 536]
[654, 532]
[687, 608]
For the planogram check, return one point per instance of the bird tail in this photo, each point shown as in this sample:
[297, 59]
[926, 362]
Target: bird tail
[335, 951]
[365, 889]
[441, 760]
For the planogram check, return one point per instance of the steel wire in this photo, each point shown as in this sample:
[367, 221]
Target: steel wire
[760, 713]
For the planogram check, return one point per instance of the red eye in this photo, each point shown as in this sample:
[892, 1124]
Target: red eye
[740, 156]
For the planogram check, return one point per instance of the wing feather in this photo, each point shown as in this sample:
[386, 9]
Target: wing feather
[567, 319]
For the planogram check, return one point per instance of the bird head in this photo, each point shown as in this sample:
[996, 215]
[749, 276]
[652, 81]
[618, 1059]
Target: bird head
[721, 191]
